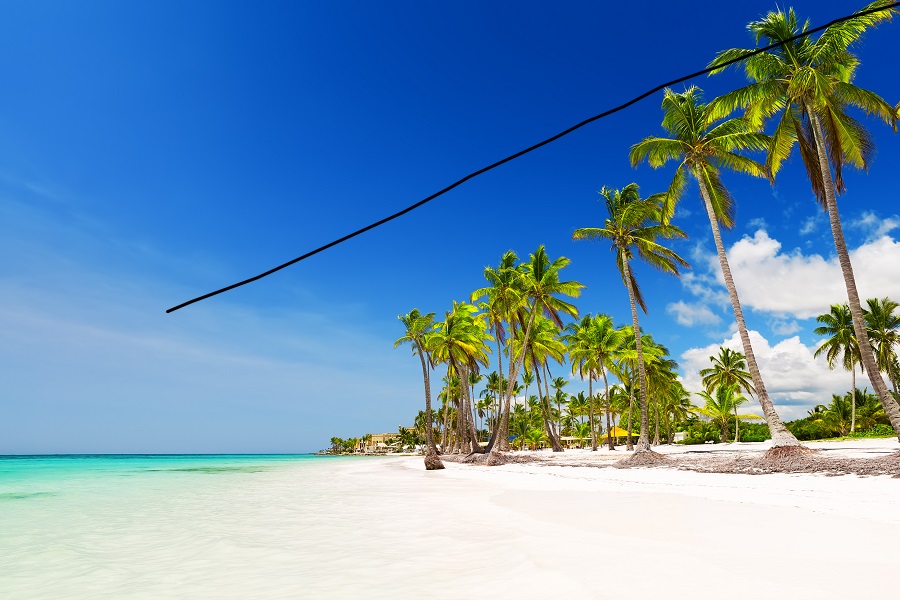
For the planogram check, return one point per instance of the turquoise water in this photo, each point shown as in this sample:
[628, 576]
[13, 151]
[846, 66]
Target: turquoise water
[114, 526]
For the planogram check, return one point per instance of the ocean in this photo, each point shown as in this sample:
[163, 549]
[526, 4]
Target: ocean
[165, 526]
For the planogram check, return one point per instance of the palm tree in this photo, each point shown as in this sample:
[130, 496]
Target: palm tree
[728, 369]
[633, 225]
[806, 84]
[460, 341]
[542, 345]
[840, 347]
[504, 298]
[721, 406]
[703, 147]
[541, 285]
[417, 327]
[883, 329]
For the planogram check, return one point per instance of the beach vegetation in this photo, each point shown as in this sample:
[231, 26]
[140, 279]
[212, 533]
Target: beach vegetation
[806, 87]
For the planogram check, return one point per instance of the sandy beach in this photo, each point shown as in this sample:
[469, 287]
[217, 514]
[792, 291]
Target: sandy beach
[386, 528]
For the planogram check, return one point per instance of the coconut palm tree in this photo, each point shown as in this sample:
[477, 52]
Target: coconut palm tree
[543, 344]
[807, 85]
[703, 147]
[721, 406]
[579, 338]
[840, 346]
[728, 368]
[883, 329]
[460, 340]
[505, 297]
[417, 327]
[633, 226]
[541, 285]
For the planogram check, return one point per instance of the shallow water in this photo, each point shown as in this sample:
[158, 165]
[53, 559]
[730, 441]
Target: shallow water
[153, 526]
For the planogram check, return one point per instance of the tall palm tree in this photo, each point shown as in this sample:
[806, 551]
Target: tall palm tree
[579, 340]
[460, 340]
[807, 86]
[541, 285]
[633, 225]
[728, 369]
[840, 347]
[703, 147]
[883, 329]
[505, 297]
[417, 327]
[543, 344]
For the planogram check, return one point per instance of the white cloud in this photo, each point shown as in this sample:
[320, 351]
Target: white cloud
[691, 314]
[784, 327]
[794, 284]
[757, 223]
[812, 223]
[794, 379]
[875, 226]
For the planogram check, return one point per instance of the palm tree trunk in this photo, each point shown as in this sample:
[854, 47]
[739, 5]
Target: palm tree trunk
[780, 434]
[643, 444]
[432, 462]
[468, 419]
[737, 432]
[545, 409]
[629, 444]
[656, 434]
[610, 440]
[853, 400]
[591, 411]
[515, 372]
[859, 327]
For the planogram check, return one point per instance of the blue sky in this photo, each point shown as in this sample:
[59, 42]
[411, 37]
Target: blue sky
[153, 152]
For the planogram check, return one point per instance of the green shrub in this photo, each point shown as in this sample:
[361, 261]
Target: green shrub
[877, 431]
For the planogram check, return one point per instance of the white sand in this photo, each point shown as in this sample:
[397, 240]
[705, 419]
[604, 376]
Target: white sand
[373, 528]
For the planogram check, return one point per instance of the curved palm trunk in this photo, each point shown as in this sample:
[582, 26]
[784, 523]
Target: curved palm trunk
[859, 327]
[554, 443]
[468, 430]
[780, 434]
[432, 462]
[643, 444]
[548, 415]
[610, 443]
[515, 372]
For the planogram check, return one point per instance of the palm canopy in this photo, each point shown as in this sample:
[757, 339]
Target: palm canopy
[504, 293]
[632, 227]
[542, 285]
[804, 80]
[728, 368]
[417, 327]
[841, 346]
[703, 148]
[460, 339]
[883, 328]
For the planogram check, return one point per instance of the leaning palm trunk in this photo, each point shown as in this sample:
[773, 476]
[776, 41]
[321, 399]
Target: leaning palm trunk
[468, 421]
[643, 444]
[609, 432]
[780, 434]
[554, 443]
[515, 372]
[859, 328]
[432, 462]
[853, 400]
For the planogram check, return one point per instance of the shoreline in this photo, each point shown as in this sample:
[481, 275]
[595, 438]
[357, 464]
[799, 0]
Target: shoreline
[863, 457]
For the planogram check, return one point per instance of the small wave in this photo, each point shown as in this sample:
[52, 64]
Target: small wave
[23, 495]
[212, 470]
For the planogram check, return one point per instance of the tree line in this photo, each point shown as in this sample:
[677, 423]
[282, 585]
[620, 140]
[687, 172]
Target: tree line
[800, 94]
